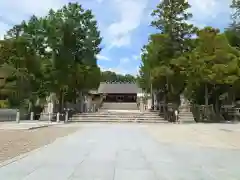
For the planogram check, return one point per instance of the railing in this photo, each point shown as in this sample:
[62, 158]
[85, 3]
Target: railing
[18, 116]
[230, 113]
[43, 117]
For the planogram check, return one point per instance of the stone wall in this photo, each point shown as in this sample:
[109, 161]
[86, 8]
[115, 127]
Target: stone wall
[8, 114]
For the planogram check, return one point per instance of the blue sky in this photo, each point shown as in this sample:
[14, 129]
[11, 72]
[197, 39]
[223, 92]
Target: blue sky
[124, 24]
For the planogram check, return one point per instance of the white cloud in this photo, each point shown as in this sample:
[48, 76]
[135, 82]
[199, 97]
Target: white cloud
[3, 29]
[104, 58]
[131, 13]
[123, 67]
[124, 60]
[14, 11]
[99, 1]
[122, 70]
[209, 10]
[19, 9]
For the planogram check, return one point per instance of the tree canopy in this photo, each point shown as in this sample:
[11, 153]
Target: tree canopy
[51, 54]
[182, 59]
[109, 76]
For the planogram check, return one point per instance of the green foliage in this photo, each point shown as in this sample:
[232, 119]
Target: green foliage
[233, 37]
[170, 19]
[52, 54]
[213, 62]
[4, 104]
[235, 6]
[109, 76]
[157, 67]
[173, 62]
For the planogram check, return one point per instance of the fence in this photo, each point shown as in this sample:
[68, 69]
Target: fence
[203, 113]
[8, 114]
[16, 115]
[230, 113]
[44, 117]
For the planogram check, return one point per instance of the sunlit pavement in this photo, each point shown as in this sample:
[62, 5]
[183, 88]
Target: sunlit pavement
[123, 152]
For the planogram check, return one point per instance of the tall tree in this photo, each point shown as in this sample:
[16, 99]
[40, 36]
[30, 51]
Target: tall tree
[74, 39]
[53, 54]
[235, 6]
[171, 19]
[214, 65]
[174, 39]
[233, 31]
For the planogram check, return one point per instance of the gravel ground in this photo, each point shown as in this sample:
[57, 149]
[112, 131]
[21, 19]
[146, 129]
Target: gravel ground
[206, 135]
[17, 142]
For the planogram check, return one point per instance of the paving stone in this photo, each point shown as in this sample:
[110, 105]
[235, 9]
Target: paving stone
[123, 152]
[90, 169]
[179, 171]
[17, 170]
[51, 172]
[123, 174]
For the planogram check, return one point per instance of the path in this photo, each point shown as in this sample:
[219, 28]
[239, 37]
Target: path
[123, 152]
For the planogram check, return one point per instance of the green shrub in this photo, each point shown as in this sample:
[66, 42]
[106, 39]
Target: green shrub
[4, 104]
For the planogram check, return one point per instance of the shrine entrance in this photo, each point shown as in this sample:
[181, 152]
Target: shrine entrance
[120, 98]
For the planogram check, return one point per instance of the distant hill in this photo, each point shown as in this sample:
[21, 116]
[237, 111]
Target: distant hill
[109, 76]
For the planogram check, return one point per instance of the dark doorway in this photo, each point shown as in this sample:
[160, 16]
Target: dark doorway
[120, 98]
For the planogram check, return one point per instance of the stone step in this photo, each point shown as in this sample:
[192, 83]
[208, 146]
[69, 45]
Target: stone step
[121, 114]
[182, 117]
[188, 113]
[124, 110]
[116, 115]
[118, 120]
[114, 119]
[186, 117]
[119, 106]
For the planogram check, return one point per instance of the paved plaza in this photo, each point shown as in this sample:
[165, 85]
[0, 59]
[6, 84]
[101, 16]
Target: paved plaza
[130, 152]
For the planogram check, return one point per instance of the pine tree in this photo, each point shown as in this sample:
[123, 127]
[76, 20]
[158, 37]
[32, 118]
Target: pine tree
[171, 18]
[235, 6]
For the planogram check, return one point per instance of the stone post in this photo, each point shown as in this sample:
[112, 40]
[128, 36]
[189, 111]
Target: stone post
[32, 116]
[49, 116]
[141, 104]
[58, 117]
[66, 116]
[18, 117]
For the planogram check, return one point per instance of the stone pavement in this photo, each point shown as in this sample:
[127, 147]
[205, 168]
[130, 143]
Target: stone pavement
[122, 152]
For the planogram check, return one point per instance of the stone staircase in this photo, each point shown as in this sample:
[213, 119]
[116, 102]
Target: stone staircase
[118, 116]
[119, 106]
[185, 115]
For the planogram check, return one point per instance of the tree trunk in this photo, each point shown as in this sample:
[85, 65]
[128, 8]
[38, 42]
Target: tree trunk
[165, 111]
[217, 105]
[206, 95]
[152, 96]
[60, 102]
[233, 96]
[81, 101]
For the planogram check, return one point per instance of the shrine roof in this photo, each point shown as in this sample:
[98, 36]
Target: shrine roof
[118, 88]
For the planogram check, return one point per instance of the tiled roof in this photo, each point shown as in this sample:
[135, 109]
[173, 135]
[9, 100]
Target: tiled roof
[118, 88]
